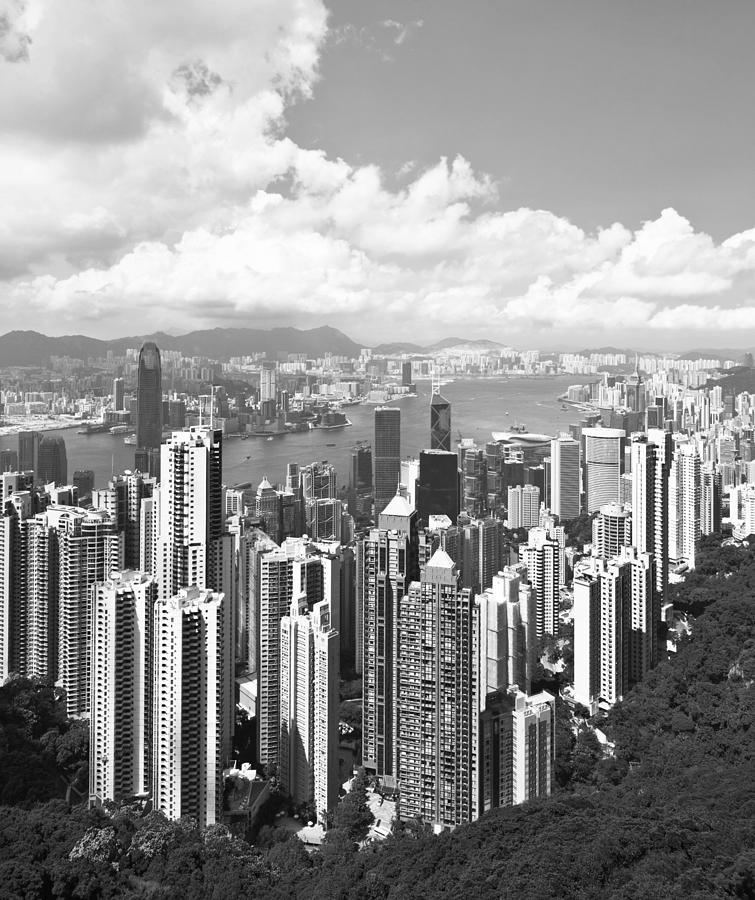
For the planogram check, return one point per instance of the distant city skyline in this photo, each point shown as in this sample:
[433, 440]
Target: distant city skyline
[530, 173]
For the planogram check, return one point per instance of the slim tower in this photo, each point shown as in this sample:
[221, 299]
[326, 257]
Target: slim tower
[149, 398]
[387, 455]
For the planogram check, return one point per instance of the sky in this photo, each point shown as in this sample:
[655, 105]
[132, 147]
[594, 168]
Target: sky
[544, 173]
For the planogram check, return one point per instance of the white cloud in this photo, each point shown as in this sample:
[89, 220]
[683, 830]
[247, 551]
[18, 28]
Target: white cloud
[146, 177]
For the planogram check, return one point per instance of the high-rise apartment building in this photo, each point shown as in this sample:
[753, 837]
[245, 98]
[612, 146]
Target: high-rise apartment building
[565, 478]
[604, 455]
[190, 510]
[388, 559]
[120, 743]
[122, 498]
[309, 700]
[387, 455]
[541, 556]
[611, 530]
[297, 571]
[516, 749]
[89, 549]
[710, 499]
[684, 506]
[523, 506]
[440, 423]
[436, 700]
[149, 398]
[193, 669]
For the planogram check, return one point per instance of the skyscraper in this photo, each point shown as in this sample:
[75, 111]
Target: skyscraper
[388, 558]
[436, 697]
[193, 668]
[604, 452]
[360, 483]
[53, 462]
[541, 556]
[523, 506]
[611, 530]
[437, 485]
[119, 395]
[387, 455]
[28, 452]
[710, 499]
[318, 481]
[684, 506]
[121, 686]
[440, 423]
[190, 511]
[149, 398]
[565, 477]
[309, 706]
[122, 498]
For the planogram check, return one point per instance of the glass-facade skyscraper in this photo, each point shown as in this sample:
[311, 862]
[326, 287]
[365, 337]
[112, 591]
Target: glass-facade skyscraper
[149, 398]
[440, 423]
[387, 455]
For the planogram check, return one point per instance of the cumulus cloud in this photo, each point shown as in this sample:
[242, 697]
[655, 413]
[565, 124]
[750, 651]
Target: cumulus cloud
[147, 177]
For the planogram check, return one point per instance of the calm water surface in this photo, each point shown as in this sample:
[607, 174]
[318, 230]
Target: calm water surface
[478, 407]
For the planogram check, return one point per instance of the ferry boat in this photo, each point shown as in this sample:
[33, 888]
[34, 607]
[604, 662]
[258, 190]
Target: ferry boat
[120, 429]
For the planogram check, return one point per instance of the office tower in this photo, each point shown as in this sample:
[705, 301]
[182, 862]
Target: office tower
[309, 700]
[193, 669]
[269, 508]
[389, 564]
[710, 499]
[89, 549]
[268, 382]
[604, 453]
[83, 481]
[28, 452]
[360, 483]
[8, 460]
[516, 749]
[121, 686]
[611, 530]
[437, 485]
[191, 511]
[149, 398]
[294, 571]
[541, 557]
[440, 423]
[437, 697]
[684, 506]
[523, 506]
[119, 394]
[53, 463]
[387, 455]
[324, 519]
[565, 478]
[475, 480]
[293, 513]
[490, 549]
[408, 477]
[506, 640]
[318, 481]
[636, 391]
[122, 498]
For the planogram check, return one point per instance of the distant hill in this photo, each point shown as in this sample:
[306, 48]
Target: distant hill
[396, 347]
[30, 348]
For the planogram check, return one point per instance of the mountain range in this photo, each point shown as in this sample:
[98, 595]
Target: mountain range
[30, 348]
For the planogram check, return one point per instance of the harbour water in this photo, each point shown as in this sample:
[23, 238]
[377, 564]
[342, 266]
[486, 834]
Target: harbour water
[478, 407]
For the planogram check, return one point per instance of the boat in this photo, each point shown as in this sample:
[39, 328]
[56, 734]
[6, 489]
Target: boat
[269, 439]
[519, 429]
[330, 445]
[120, 429]
[130, 439]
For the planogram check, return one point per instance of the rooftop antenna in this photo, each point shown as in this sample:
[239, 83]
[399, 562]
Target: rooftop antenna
[435, 381]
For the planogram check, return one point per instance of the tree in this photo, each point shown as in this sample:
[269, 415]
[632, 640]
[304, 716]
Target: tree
[353, 813]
